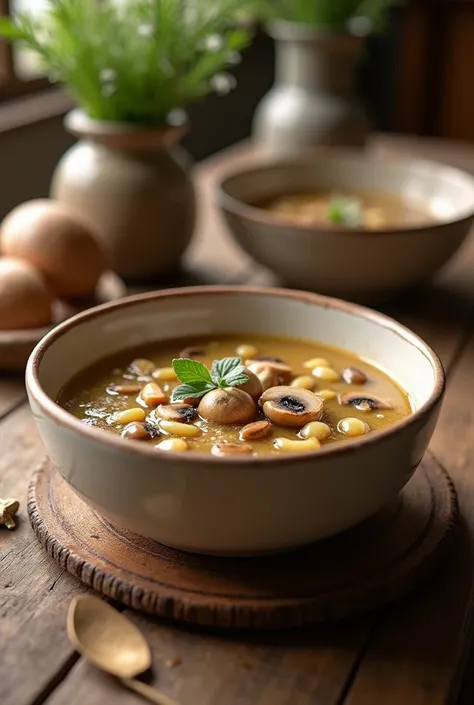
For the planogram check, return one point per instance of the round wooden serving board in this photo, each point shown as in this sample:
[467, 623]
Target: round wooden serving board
[360, 570]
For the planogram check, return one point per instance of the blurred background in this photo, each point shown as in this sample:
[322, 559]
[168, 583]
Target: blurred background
[415, 79]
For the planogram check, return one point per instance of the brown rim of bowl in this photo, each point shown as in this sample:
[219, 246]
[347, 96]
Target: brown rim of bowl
[64, 418]
[253, 212]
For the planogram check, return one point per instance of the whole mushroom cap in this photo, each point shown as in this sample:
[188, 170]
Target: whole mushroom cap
[253, 386]
[227, 406]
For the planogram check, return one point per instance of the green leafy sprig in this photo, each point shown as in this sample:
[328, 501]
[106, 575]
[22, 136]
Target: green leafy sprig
[345, 211]
[135, 61]
[197, 380]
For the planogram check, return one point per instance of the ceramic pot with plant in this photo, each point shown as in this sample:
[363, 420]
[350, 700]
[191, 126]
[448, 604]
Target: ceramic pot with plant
[314, 101]
[132, 67]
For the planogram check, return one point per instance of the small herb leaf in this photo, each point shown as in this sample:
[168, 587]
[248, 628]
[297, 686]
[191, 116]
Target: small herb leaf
[345, 211]
[195, 390]
[227, 369]
[191, 371]
[198, 381]
[235, 379]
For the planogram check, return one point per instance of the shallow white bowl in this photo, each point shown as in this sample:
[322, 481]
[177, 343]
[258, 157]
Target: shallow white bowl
[349, 262]
[234, 505]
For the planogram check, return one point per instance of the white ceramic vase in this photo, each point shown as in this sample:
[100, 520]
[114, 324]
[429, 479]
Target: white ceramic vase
[131, 185]
[314, 100]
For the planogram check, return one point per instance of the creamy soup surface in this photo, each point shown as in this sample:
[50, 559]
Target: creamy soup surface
[370, 210]
[301, 396]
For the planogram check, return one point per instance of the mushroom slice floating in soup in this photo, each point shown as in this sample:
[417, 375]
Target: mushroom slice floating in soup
[352, 375]
[268, 376]
[283, 372]
[290, 406]
[364, 402]
[176, 412]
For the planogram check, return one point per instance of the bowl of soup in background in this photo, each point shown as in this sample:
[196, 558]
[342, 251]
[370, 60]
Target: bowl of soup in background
[239, 504]
[418, 215]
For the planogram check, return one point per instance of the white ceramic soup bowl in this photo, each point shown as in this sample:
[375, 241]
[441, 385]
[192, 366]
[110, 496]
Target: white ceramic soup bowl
[236, 505]
[362, 265]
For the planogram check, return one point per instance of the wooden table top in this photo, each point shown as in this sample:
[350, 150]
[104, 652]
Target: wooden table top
[414, 653]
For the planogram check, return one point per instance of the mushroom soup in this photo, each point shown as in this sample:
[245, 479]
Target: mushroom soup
[369, 210]
[237, 395]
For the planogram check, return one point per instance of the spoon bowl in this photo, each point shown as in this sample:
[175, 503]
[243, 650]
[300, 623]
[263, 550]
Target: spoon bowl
[106, 638]
[111, 642]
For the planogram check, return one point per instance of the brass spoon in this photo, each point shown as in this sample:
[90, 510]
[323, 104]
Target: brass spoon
[111, 642]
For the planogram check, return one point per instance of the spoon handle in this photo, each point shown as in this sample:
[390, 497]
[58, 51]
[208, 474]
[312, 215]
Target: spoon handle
[148, 692]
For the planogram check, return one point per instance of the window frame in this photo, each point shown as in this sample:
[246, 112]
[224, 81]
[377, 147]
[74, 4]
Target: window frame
[10, 85]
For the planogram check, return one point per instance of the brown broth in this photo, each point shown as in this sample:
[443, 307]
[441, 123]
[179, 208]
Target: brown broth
[87, 398]
[379, 209]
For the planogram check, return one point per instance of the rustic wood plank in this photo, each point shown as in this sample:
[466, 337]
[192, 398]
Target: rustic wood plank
[34, 592]
[12, 394]
[303, 669]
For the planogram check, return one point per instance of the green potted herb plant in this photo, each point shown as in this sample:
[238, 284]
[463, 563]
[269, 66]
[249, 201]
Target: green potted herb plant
[132, 67]
[318, 47]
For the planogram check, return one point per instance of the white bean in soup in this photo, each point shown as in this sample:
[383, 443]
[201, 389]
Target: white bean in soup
[217, 412]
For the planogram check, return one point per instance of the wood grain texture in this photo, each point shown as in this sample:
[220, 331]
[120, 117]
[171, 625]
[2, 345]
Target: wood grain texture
[12, 393]
[34, 592]
[359, 571]
[310, 667]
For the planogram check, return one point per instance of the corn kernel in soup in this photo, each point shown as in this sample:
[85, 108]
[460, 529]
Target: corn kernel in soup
[254, 415]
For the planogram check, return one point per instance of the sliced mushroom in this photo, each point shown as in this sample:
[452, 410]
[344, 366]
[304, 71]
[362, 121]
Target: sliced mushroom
[352, 375]
[284, 372]
[229, 448]
[256, 430]
[139, 431]
[363, 401]
[191, 353]
[176, 412]
[290, 406]
[253, 386]
[227, 406]
[267, 375]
